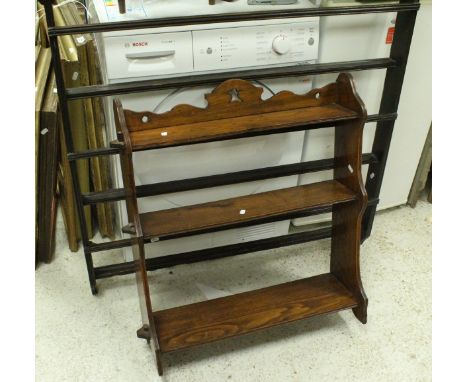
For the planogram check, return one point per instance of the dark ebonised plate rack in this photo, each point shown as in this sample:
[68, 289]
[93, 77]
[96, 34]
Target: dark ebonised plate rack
[395, 65]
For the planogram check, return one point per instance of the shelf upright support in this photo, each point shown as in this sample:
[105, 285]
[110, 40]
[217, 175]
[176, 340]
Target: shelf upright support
[63, 100]
[393, 86]
[347, 218]
[138, 244]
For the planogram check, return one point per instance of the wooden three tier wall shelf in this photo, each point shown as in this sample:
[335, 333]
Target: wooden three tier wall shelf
[236, 110]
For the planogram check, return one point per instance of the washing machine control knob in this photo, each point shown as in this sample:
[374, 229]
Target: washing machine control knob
[281, 44]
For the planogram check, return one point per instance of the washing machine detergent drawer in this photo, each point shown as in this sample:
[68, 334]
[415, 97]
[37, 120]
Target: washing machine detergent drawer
[143, 55]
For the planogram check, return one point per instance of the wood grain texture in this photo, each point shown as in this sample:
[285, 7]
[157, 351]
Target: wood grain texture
[239, 127]
[243, 313]
[346, 219]
[250, 208]
[47, 174]
[235, 110]
[65, 187]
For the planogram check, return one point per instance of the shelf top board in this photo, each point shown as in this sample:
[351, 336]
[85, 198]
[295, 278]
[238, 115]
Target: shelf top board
[236, 110]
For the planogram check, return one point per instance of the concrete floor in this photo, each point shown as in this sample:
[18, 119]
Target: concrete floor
[84, 338]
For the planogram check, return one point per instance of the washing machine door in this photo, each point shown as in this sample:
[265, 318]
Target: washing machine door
[211, 158]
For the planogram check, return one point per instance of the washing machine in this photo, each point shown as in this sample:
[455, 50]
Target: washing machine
[144, 54]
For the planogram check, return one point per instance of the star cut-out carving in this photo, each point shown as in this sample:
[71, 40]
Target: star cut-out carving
[234, 95]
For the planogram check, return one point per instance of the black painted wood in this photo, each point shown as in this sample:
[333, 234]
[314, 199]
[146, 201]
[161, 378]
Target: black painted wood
[216, 78]
[390, 100]
[61, 92]
[92, 153]
[409, 5]
[217, 180]
[153, 264]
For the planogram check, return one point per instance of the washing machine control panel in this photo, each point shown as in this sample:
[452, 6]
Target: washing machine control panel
[260, 45]
[217, 47]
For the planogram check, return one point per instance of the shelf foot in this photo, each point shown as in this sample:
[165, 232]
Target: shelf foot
[159, 363]
[360, 312]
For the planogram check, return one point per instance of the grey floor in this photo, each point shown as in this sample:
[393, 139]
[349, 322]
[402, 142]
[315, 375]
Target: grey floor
[84, 338]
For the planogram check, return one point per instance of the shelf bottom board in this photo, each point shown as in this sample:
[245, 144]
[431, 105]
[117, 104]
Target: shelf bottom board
[230, 316]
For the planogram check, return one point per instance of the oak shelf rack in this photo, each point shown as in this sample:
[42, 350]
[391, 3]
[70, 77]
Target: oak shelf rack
[235, 110]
